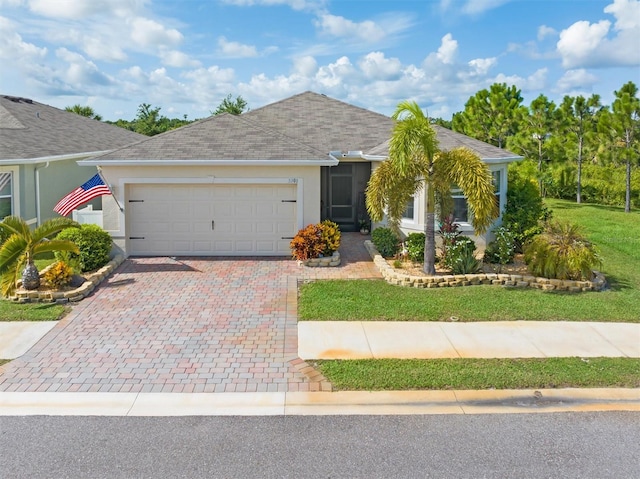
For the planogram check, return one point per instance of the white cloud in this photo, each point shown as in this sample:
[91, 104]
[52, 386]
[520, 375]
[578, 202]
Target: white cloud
[573, 80]
[12, 46]
[80, 9]
[545, 31]
[340, 27]
[627, 13]
[481, 66]
[178, 59]
[79, 72]
[534, 82]
[235, 49]
[581, 40]
[585, 44]
[333, 74]
[448, 48]
[472, 7]
[305, 66]
[149, 33]
[294, 4]
[375, 66]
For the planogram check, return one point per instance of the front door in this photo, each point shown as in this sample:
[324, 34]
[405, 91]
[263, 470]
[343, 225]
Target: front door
[343, 188]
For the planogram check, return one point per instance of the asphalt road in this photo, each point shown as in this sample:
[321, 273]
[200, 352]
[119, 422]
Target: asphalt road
[568, 445]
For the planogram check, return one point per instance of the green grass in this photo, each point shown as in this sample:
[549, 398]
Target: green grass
[10, 311]
[617, 235]
[419, 374]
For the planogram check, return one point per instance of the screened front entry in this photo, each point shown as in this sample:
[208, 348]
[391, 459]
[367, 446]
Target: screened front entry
[343, 188]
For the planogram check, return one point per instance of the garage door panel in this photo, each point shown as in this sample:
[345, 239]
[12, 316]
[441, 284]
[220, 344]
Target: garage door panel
[177, 219]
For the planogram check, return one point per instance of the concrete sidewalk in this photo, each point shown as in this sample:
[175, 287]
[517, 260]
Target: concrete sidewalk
[504, 339]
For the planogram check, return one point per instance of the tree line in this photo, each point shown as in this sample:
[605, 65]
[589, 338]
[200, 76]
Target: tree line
[578, 149]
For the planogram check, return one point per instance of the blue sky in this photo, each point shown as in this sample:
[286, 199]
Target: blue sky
[186, 56]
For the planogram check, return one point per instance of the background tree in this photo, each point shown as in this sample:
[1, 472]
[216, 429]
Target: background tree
[491, 115]
[86, 111]
[622, 128]
[578, 118]
[228, 105]
[23, 244]
[536, 129]
[415, 162]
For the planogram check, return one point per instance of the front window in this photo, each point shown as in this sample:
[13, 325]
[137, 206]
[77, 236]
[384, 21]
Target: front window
[460, 205]
[6, 194]
[409, 211]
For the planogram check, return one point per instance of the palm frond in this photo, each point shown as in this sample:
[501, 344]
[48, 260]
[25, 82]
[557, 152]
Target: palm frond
[15, 225]
[11, 252]
[464, 168]
[55, 245]
[51, 227]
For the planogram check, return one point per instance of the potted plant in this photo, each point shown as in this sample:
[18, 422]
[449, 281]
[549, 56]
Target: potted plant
[365, 227]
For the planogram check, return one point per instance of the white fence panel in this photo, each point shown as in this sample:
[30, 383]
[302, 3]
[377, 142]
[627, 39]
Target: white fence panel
[88, 216]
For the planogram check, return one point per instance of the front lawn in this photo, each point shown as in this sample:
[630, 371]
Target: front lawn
[617, 235]
[10, 311]
[464, 373]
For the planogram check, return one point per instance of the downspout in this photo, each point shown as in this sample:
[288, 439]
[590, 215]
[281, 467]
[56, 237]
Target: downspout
[37, 180]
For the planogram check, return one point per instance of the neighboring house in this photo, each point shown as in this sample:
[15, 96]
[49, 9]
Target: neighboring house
[244, 185]
[39, 148]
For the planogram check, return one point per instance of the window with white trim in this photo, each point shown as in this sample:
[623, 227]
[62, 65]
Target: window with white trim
[460, 206]
[6, 194]
[409, 211]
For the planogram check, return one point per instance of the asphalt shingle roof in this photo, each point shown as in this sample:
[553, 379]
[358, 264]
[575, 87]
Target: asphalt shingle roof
[29, 129]
[221, 137]
[305, 126]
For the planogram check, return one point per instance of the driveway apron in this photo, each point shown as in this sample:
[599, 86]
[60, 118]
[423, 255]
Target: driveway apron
[184, 325]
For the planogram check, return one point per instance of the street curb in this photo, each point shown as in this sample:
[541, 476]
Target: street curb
[321, 403]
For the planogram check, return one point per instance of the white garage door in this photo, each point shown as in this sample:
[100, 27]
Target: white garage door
[203, 220]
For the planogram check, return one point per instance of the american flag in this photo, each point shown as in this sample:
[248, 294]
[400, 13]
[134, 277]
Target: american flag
[91, 189]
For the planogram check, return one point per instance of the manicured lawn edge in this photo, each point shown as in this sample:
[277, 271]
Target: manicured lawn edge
[11, 311]
[465, 373]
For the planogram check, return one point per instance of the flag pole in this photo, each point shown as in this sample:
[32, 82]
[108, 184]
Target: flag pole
[109, 186]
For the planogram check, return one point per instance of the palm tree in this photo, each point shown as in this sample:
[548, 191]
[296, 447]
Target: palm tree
[415, 162]
[23, 244]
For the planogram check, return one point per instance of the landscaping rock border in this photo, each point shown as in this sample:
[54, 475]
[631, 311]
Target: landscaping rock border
[506, 280]
[333, 260]
[71, 296]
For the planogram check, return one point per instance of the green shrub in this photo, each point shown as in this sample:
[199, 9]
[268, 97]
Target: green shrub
[385, 241]
[561, 252]
[58, 275]
[94, 244]
[415, 247]
[460, 258]
[525, 212]
[449, 233]
[502, 249]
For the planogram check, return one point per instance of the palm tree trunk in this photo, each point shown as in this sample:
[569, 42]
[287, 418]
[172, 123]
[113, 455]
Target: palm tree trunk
[579, 191]
[430, 231]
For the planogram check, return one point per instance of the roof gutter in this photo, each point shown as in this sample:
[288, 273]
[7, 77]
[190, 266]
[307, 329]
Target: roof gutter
[359, 155]
[509, 159]
[46, 159]
[331, 161]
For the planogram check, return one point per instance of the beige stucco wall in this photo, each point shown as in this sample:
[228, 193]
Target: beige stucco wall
[120, 178]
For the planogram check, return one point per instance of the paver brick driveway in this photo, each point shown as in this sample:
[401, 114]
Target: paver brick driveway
[184, 325]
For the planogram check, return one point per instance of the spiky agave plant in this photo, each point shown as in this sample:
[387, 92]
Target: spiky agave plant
[23, 244]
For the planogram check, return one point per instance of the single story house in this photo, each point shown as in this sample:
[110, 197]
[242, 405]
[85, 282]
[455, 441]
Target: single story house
[39, 148]
[245, 184]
